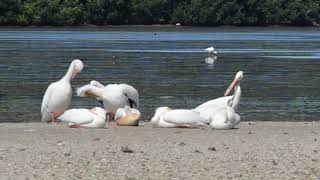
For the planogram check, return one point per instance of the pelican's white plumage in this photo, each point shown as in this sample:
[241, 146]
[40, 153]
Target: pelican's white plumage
[127, 116]
[232, 101]
[210, 50]
[58, 95]
[210, 60]
[165, 117]
[97, 84]
[114, 96]
[94, 118]
[223, 107]
[224, 118]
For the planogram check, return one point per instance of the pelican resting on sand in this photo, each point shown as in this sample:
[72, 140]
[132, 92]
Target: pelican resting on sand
[127, 116]
[168, 118]
[93, 118]
[221, 113]
[58, 95]
[113, 96]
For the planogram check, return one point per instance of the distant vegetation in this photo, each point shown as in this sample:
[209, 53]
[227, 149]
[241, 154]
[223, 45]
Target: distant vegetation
[187, 12]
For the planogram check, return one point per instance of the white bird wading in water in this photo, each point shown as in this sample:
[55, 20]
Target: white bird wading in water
[211, 50]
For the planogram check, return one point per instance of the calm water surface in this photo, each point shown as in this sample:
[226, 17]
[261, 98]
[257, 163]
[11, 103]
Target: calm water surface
[167, 66]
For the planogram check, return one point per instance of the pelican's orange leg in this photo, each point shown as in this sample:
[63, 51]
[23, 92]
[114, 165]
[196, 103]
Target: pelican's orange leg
[52, 118]
[110, 124]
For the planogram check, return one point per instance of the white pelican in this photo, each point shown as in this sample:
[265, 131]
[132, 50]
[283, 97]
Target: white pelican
[210, 60]
[233, 101]
[93, 118]
[114, 96]
[127, 116]
[209, 109]
[224, 118]
[58, 95]
[168, 118]
[211, 50]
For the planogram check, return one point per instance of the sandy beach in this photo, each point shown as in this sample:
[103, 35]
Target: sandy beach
[256, 150]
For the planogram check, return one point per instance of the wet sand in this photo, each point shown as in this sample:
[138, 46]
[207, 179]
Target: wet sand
[256, 150]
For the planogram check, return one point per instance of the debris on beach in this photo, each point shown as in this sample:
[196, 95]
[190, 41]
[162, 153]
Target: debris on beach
[96, 139]
[274, 162]
[212, 148]
[126, 149]
[22, 149]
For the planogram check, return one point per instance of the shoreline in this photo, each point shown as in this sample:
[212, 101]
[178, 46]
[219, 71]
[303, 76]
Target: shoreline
[158, 27]
[256, 150]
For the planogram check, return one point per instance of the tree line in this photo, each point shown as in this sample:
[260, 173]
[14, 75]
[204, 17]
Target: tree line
[186, 12]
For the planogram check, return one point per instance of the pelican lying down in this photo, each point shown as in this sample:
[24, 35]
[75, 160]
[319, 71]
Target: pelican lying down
[166, 117]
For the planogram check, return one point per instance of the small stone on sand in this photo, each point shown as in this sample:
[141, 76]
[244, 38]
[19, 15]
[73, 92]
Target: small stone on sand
[126, 149]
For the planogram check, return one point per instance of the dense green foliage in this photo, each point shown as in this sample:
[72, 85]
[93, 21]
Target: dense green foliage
[187, 12]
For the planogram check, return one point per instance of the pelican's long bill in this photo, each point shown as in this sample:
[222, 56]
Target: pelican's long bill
[231, 87]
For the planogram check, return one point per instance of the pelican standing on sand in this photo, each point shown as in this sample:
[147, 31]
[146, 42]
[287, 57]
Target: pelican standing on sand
[211, 50]
[93, 118]
[168, 118]
[58, 95]
[113, 96]
[222, 111]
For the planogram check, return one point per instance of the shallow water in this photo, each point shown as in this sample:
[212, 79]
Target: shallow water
[281, 68]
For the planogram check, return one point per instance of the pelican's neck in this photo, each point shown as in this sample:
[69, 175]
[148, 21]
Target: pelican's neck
[236, 97]
[68, 75]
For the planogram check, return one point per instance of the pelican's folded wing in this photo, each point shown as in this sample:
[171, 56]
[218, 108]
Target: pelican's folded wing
[183, 116]
[77, 116]
[215, 103]
[131, 93]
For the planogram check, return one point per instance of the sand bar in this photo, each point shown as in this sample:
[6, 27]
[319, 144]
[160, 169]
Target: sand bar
[256, 150]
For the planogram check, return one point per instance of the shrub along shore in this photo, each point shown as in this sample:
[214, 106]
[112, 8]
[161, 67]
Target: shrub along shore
[146, 12]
